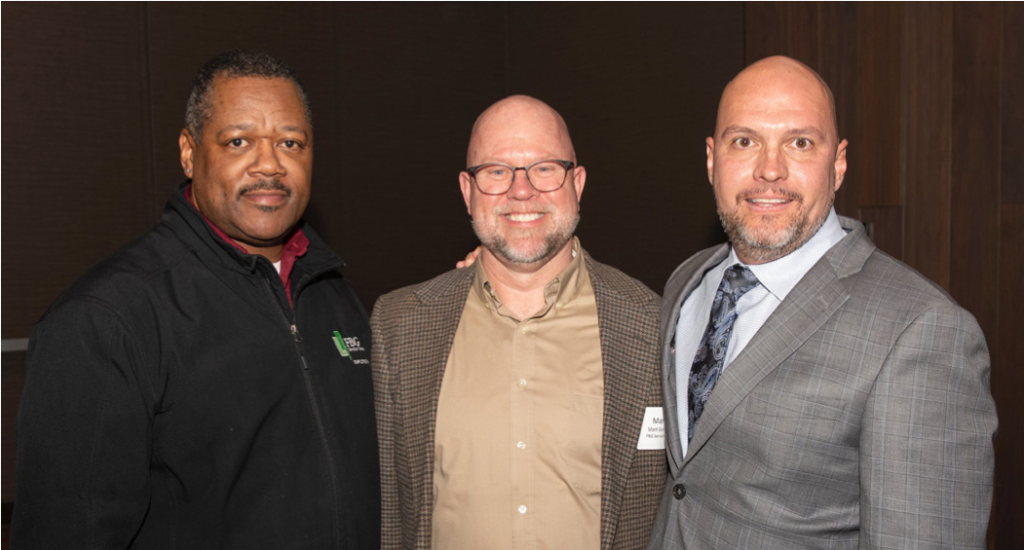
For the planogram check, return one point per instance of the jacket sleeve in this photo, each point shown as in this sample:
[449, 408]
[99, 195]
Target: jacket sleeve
[84, 434]
[926, 450]
[384, 392]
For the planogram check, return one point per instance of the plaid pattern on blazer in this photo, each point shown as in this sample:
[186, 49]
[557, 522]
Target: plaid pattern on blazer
[859, 416]
[413, 331]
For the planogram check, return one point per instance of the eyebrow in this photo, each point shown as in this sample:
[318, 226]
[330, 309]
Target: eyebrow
[246, 126]
[806, 131]
[226, 129]
[737, 130]
[298, 129]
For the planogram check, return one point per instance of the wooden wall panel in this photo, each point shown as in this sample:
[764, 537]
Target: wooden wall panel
[1007, 349]
[74, 147]
[639, 97]
[975, 152]
[925, 112]
[783, 28]
[877, 140]
[1012, 105]
[412, 78]
[885, 227]
[837, 39]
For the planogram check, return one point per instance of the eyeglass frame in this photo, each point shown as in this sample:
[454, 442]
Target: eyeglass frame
[566, 164]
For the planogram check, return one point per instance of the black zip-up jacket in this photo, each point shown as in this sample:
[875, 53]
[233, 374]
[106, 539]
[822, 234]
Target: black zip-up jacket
[174, 399]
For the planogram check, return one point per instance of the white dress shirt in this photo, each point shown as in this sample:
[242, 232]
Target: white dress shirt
[776, 279]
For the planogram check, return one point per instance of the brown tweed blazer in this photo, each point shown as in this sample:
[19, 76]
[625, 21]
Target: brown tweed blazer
[413, 330]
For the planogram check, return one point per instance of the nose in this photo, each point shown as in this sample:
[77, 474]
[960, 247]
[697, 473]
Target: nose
[771, 165]
[521, 188]
[267, 162]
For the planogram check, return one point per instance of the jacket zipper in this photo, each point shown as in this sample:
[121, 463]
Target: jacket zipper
[317, 415]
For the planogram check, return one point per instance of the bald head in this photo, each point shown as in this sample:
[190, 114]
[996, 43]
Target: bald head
[523, 228]
[777, 83]
[776, 160]
[516, 126]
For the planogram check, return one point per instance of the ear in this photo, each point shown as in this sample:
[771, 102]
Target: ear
[709, 147]
[188, 147]
[467, 190]
[579, 179]
[840, 164]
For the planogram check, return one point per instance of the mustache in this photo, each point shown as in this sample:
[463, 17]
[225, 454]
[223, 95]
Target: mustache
[784, 193]
[265, 184]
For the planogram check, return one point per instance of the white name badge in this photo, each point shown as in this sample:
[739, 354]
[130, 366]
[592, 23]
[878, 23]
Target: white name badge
[652, 434]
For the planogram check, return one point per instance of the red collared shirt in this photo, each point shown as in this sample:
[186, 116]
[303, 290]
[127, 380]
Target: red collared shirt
[294, 247]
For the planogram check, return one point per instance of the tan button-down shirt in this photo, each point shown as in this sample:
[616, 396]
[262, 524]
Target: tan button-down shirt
[519, 421]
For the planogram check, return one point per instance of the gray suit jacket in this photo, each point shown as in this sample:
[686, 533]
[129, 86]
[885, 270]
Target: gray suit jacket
[413, 330]
[859, 416]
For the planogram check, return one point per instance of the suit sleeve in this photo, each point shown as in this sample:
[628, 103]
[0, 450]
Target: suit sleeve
[385, 389]
[927, 440]
[84, 435]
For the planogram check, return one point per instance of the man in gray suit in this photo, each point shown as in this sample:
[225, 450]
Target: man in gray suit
[818, 393]
[515, 398]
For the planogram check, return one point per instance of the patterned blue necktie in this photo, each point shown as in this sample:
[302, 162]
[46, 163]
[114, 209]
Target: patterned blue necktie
[708, 362]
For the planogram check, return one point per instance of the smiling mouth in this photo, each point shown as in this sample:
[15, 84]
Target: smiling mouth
[769, 199]
[524, 216]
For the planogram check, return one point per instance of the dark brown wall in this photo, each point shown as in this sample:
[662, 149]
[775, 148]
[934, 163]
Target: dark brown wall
[930, 97]
[925, 93]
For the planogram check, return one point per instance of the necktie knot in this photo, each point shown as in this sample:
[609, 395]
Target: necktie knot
[737, 280]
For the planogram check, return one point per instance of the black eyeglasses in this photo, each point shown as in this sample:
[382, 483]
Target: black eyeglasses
[495, 178]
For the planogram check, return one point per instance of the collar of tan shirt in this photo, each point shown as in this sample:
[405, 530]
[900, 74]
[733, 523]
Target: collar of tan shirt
[557, 292]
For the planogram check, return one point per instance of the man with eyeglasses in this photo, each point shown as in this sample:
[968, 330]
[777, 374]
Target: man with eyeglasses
[518, 400]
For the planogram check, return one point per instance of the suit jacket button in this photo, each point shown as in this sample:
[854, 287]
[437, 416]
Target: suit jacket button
[679, 491]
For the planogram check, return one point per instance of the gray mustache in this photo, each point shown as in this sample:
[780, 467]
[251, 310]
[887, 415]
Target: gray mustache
[784, 193]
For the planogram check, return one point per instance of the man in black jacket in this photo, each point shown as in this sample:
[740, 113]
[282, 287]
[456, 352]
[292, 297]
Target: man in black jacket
[208, 386]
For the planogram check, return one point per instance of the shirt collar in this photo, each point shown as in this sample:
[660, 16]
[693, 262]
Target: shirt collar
[780, 276]
[560, 290]
[294, 247]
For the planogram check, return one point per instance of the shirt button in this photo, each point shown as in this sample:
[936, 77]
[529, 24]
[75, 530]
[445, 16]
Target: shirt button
[522, 383]
[521, 445]
[679, 491]
[524, 329]
[522, 508]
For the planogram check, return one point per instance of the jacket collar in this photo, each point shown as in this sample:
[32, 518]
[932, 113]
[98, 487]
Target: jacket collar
[190, 226]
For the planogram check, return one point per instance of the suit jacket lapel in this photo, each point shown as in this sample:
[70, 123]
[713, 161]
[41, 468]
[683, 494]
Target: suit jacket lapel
[678, 288]
[624, 332]
[427, 333]
[807, 307]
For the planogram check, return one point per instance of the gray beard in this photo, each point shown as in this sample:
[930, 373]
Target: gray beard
[553, 242]
[760, 248]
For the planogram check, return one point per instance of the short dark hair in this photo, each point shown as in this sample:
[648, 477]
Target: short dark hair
[235, 64]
